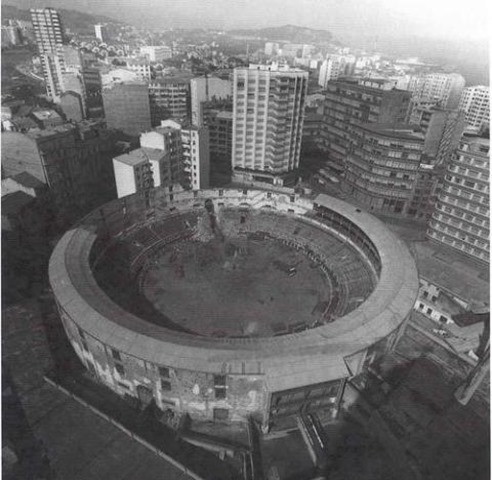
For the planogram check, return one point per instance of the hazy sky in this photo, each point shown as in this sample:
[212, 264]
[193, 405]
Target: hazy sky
[440, 18]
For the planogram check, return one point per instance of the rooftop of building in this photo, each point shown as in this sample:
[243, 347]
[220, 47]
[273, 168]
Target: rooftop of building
[274, 67]
[140, 156]
[28, 180]
[46, 115]
[451, 270]
[402, 131]
[14, 202]
[48, 132]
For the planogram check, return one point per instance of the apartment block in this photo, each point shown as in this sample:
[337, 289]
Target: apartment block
[127, 107]
[444, 88]
[475, 103]
[335, 66]
[268, 112]
[462, 216]
[156, 53]
[140, 170]
[351, 102]
[382, 166]
[169, 98]
[49, 36]
[442, 129]
[73, 160]
[207, 89]
[196, 152]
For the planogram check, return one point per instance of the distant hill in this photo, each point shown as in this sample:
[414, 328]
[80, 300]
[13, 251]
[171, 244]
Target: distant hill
[77, 22]
[287, 33]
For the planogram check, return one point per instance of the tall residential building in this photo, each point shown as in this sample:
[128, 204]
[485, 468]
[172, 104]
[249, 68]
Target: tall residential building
[206, 89]
[219, 124]
[475, 102]
[442, 129]
[127, 107]
[445, 88]
[353, 101]
[101, 32]
[334, 67]
[140, 170]
[196, 151]
[49, 37]
[169, 98]
[91, 77]
[268, 110]
[382, 165]
[190, 169]
[461, 219]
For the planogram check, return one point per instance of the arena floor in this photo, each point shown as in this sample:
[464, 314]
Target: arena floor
[240, 287]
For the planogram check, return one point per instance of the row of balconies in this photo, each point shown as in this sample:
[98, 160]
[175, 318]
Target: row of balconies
[474, 250]
[480, 233]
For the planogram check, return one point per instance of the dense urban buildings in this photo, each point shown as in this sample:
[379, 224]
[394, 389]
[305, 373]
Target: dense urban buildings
[268, 121]
[71, 159]
[462, 216]
[475, 103]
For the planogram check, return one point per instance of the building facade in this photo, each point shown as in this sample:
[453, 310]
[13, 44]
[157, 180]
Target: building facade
[382, 166]
[475, 103]
[206, 89]
[169, 98]
[351, 102]
[268, 111]
[73, 160]
[127, 107]
[101, 32]
[156, 53]
[445, 88]
[462, 216]
[49, 35]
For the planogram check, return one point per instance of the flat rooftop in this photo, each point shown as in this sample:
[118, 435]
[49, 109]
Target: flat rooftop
[140, 156]
[394, 130]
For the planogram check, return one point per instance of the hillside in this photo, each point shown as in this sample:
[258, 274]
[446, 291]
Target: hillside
[77, 22]
[287, 33]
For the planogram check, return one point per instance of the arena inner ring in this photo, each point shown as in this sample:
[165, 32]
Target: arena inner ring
[229, 303]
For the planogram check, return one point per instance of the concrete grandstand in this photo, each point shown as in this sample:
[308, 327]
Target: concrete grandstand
[226, 304]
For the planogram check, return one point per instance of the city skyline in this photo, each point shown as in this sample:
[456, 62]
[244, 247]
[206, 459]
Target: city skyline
[436, 19]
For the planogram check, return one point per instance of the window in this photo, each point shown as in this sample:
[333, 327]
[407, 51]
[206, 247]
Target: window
[421, 306]
[429, 311]
[116, 355]
[220, 386]
[443, 319]
[425, 294]
[120, 369]
[165, 385]
[164, 372]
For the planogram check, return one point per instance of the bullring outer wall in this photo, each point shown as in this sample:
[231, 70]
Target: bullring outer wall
[227, 377]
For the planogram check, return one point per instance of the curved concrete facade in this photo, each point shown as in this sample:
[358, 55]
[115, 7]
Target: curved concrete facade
[230, 378]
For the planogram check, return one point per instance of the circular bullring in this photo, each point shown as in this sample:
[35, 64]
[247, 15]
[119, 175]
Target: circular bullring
[240, 282]
[234, 272]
